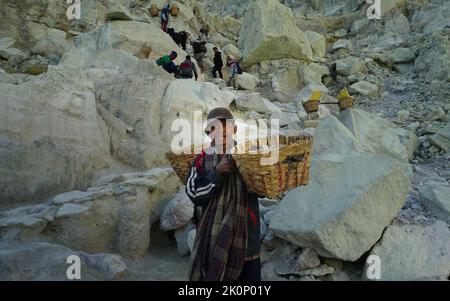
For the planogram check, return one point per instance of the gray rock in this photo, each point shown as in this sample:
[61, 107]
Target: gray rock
[232, 50]
[317, 42]
[351, 65]
[177, 213]
[255, 102]
[26, 222]
[6, 42]
[308, 259]
[437, 114]
[442, 138]
[42, 261]
[285, 118]
[118, 12]
[182, 238]
[318, 271]
[375, 134]
[403, 55]
[246, 81]
[413, 252]
[409, 140]
[340, 33]
[357, 208]
[402, 116]
[433, 61]
[342, 44]
[364, 88]
[263, 37]
[358, 25]
[436, 198]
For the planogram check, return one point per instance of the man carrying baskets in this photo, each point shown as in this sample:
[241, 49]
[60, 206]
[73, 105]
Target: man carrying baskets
[228, 243]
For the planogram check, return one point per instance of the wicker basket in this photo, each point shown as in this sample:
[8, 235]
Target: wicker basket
[174, 11]
[290, 171]
[182, 163]
[311, 106]
[154, 11]
[345, 103]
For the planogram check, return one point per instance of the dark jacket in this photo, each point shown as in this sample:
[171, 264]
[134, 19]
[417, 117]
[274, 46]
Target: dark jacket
[202, 186]
[199, 47]
[218, 59]
[188, 69]
[165, 14]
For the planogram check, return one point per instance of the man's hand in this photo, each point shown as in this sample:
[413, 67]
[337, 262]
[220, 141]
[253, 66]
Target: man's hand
[226, 166]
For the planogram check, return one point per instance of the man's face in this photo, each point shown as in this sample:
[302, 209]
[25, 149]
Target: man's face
[222, 132]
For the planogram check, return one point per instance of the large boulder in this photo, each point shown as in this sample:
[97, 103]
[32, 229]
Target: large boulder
[433, 61]
[375, 134]
[114, 217]
[436, 198]
[246, 81]
[317, 42]
[269, 32]
[341, 214]
[130, 36]
[43, 261]
[51, 137]
[280, 79]
[48, 42]
[232, 50]
[414, 252]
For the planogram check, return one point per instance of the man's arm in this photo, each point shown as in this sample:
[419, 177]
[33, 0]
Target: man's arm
[201, 186]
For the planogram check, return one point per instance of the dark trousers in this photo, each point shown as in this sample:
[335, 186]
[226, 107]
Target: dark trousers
[251, 271]
[164, 25]
[217, 69]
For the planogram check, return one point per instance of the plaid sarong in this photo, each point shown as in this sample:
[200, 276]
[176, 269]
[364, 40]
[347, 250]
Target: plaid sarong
[221, 240]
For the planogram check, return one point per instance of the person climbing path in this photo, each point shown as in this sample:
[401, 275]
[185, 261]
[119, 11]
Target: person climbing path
[188, 69]
[218, 63]
[167, 63]
[165, 17]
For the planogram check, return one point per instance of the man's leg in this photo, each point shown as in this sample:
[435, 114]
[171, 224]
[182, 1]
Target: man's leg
[214, 69]
[251, 271]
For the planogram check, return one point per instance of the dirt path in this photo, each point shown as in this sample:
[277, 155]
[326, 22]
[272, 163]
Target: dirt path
[161, 263]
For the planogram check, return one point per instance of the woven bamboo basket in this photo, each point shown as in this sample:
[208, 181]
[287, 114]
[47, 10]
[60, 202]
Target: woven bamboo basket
[154, 11]
[311, 106]
[289, 171]
[345, 103]
[182, 163]
[174, 11]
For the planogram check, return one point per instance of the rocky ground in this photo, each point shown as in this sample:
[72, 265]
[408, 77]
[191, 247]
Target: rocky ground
[87, 118]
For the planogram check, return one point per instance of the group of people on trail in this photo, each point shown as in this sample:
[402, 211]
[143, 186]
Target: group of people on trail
[180, 38]
[185, 70]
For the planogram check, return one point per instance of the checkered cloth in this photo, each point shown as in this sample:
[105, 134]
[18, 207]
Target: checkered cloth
[221, 239]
